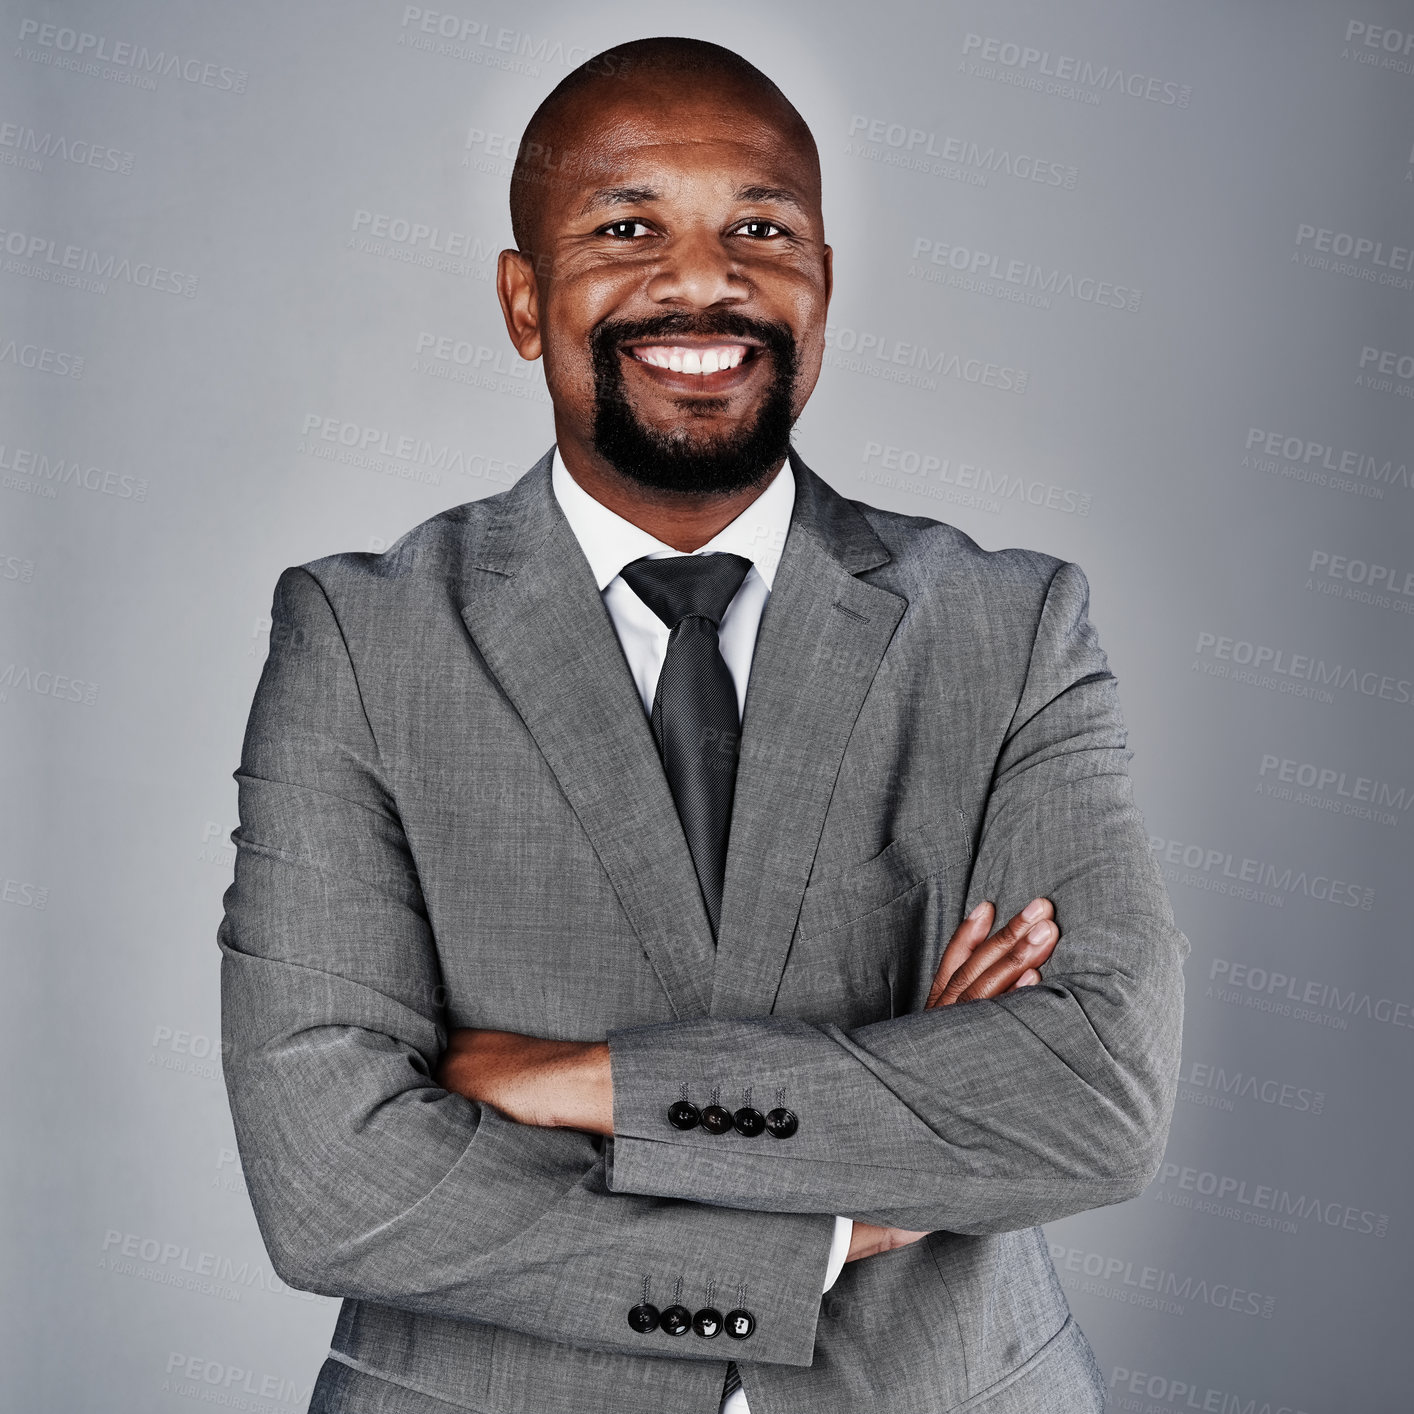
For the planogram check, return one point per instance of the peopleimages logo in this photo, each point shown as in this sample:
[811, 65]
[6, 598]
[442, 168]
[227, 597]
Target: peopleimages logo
[1331, 789]
[481, 42]
[914, 365]
[1222, 871]
[1021, 281]
[41, 257]
[421, 243]
[985, 56]
[42, 682]
[408, 458]
[1322, 463]
[475, 365]
[913, 149]
[1130, 1386]
[1261, 1204]
[215, 1382]
[120, 60]
[24, 146]
[1386, 370]
[966, 483]
[179, 1264]
[1297, 674]
[60, 362]
[1285, 994]
[1379, 46]
[1362, 581]
[1363, 257]
[1215, 1086]
[1137, 1284]
[30, 468]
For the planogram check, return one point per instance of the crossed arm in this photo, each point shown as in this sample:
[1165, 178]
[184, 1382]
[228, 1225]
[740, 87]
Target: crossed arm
[569, 1084]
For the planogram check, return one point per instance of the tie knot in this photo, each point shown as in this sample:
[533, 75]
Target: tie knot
[687, 586]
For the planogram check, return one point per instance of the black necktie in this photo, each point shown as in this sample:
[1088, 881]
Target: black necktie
[695, 720]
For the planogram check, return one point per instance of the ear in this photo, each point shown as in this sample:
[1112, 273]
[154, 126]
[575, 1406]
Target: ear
[520, 301]
[829, 274]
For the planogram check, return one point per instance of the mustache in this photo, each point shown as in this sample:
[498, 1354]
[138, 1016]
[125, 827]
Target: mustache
[777, 339]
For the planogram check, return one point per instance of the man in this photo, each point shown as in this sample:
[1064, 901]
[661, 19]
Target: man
[584, 976]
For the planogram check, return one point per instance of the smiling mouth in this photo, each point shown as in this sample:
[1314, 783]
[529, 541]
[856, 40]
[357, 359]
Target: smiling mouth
[695, 359]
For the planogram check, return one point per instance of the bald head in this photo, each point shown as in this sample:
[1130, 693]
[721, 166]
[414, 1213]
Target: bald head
[563, 142]
[672, 271]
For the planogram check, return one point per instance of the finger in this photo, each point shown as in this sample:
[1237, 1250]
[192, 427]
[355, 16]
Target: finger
[993, 950]
[970, 934]
[875, 1240]
[981, 958]
[864, 1240]
[1037, 911]
[1029, 978]
[1006, 971]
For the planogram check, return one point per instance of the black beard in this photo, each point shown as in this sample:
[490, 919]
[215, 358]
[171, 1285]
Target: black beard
[676, 461]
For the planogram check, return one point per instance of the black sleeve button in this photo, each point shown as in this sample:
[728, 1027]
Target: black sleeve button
[643, 1318]
[749, 1122]
[708, 1323]
[781, 1123]
[683, 1115]
[716, 1119]
[676, 1320]
[740, 1324]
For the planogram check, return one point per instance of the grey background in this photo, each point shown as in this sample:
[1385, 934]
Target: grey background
[198, 314]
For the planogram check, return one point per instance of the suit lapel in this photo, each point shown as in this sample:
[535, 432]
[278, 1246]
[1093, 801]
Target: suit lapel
[535, 613]
[822, 637]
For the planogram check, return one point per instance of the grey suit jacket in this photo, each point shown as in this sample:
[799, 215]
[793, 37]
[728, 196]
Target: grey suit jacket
[452, 814]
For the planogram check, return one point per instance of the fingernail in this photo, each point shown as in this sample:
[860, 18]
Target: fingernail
[1039, 936]
[977, 912]
[1034, 910]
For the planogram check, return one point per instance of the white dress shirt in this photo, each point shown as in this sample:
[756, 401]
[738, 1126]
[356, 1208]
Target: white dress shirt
[609, 543]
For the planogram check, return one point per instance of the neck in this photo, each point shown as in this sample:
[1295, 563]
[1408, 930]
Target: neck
[684, 521]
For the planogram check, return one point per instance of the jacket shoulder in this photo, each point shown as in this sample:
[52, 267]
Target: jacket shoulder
[927, 553]
[437, 548]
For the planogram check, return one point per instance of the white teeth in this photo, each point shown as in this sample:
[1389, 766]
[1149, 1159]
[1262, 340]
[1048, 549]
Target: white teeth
[686, 360]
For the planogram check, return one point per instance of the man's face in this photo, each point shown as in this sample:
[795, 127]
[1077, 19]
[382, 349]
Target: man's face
[681, 285]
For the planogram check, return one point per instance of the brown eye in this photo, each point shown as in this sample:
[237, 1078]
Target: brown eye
[760, 230]
[626, 230]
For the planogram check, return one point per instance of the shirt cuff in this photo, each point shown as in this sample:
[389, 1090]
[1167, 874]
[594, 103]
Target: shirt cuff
[839, 1250]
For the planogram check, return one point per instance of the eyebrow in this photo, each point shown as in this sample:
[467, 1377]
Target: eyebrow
[638, 196]
[782, 194]
[617, 196]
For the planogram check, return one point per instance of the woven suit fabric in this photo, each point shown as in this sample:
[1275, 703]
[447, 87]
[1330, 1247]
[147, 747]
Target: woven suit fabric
[452, 813]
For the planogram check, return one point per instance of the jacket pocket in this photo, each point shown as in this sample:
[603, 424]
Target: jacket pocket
[1060, 1378]
[925, 852]
[865, 933]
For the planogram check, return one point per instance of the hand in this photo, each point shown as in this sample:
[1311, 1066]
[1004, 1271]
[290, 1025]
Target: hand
[975, 967]
[868, 1240]
[554, 1084]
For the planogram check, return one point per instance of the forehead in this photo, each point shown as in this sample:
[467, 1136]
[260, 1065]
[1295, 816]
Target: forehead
[722, 139]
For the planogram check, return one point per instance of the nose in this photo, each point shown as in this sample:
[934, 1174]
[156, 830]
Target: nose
[698, 272]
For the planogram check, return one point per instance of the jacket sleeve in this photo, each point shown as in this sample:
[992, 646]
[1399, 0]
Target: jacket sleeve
[367, 1178]
[984, 1116]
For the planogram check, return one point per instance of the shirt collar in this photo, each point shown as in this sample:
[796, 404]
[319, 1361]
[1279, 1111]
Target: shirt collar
[610, 542]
